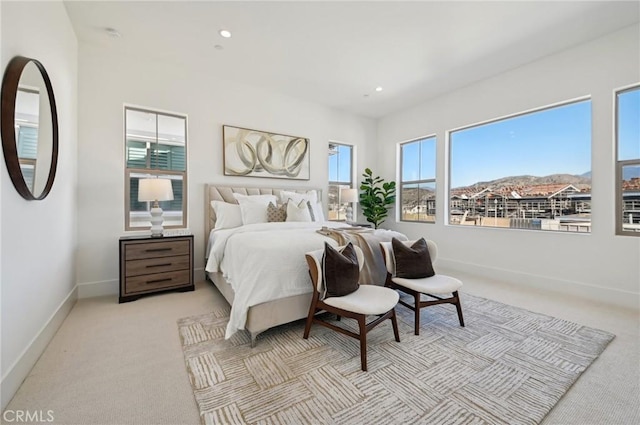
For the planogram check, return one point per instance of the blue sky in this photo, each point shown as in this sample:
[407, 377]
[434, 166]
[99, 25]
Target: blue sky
[629, 125]
[551, 141]
[419, 160]
[340, 165]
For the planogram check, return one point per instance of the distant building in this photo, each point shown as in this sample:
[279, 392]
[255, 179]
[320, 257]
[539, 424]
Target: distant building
[567, 205]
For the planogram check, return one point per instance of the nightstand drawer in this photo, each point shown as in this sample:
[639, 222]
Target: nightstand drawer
[157, 265]
[150, 282]
[138, 251]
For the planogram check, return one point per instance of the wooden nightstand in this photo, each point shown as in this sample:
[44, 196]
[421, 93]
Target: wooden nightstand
[152, 265]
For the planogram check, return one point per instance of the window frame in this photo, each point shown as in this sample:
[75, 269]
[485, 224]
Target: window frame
[154, 172]
[620, 164]
[342, 184]
[433, 180]
[449, 134]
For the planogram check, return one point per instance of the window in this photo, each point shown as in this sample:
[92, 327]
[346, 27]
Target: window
[27, 118]
[529, 171]
[340, 177]
[418, 180]
[628, 161]
[155, 146]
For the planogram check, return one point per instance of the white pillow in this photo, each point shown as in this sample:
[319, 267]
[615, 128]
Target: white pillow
[298, 212]
[318, 211]
[254, 207]
[227, 215]
[311, 196]
[255, 198]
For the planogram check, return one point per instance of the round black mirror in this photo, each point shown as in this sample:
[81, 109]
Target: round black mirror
[29, 127]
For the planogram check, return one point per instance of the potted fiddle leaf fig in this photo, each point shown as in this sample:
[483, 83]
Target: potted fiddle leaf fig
[376, 197]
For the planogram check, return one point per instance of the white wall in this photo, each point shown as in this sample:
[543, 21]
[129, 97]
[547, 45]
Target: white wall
[39, 237]
[599, 264]
[108, 81]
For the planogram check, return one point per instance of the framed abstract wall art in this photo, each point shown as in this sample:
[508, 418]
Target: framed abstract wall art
[256, 153]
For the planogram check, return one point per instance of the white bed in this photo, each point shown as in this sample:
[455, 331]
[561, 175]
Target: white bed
[260, 268]
[266, 315]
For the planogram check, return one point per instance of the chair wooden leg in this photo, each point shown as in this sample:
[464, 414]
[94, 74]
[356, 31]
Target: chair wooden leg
[307, 327]
[363, 342]
[417, 313]
[394, 323]
[459, 308]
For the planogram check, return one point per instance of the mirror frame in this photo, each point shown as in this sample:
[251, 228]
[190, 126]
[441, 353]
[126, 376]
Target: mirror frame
[10, 83]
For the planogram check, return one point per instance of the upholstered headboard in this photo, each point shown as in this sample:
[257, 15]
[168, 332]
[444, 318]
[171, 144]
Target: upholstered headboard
[214, 192]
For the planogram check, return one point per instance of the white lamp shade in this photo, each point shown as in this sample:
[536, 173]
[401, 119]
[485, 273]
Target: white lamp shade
[349, 195]
[155, 190]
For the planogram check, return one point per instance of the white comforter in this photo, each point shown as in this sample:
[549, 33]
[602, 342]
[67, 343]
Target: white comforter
[264, 262]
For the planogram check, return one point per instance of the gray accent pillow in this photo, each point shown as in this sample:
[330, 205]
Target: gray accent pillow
[340, 270]
[412, 262]
[276, 213]
[313, 216]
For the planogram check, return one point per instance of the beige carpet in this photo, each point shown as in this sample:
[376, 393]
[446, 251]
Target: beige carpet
[507, 366]
[113, 364]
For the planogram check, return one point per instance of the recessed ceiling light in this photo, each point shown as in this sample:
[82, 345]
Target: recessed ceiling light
[112, 32]
[378, 88]
[225, 33]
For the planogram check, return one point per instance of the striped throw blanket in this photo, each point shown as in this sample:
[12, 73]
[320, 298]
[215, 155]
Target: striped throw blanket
[374, 271]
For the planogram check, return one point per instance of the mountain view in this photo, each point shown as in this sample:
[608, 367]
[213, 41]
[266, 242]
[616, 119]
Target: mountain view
[629, 173]
[580, 181]
[527, 186]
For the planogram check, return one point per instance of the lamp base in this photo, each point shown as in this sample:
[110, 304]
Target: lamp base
[156, 222]
[349, 214]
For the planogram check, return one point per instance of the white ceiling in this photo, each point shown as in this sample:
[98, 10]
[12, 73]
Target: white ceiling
[335, 53]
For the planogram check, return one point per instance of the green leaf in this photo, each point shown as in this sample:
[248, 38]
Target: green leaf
[376, 197]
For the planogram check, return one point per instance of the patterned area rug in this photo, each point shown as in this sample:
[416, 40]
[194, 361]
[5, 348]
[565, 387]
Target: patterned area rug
[507, 366]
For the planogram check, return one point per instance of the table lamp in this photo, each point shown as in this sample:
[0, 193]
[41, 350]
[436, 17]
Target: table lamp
[349, 196]
[154, 190]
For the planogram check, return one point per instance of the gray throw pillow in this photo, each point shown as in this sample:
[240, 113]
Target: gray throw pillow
[340, 270]
[311, 213]
[412, 262]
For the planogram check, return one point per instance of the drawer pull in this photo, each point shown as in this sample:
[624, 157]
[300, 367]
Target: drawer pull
[158, 249]
[158, 281]
[158, 265]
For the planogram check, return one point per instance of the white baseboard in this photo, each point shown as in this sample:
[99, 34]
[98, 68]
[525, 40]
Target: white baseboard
[98, 289]
[616, 297]
[112, 287]
[20, 369]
